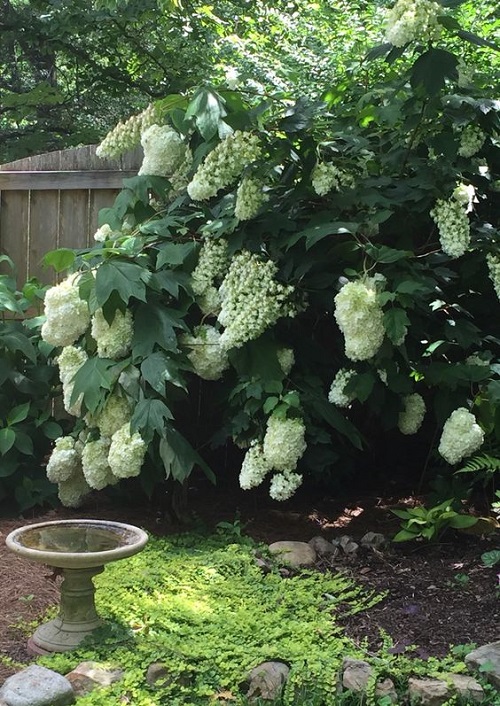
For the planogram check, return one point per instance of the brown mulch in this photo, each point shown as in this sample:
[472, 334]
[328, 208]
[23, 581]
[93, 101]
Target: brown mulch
[435, 595]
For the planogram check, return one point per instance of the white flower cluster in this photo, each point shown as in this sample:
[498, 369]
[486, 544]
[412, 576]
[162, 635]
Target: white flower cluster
[453, 226]
[254, 468]
[283, 446]
[67, 316]
[360, 318]
[69, 362]
[207, 357]
[461, 436]
[411, 417]
[284, 443]
[493, 262]
[465, 194]
[95, 464]
[286, 359]
[213, 262]
[476, 359]
[115, 413]
[115, 340]
[471, 140]
[103, 233]
[126, 135]
[224, 164]
[326, 177]
[126, 453]
[465, 74]
[64, 460]
[252, 300]
[71, 492]
[412, 19]
[337, 395]
[249, 198]
[164, 151]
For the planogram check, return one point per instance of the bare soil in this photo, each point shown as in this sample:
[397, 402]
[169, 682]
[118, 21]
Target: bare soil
[436, 596]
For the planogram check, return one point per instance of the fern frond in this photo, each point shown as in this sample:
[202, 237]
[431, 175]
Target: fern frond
[481, 462]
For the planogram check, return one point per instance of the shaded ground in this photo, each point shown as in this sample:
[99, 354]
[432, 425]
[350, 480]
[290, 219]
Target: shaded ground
[435, 596]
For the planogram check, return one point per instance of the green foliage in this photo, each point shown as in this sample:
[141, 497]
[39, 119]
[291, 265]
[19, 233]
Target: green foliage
[28, 381]
[420, 522]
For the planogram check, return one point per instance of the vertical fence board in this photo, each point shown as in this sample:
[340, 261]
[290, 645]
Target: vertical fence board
[14, 230]
[73, 219]
[98, 199]
[44, 232]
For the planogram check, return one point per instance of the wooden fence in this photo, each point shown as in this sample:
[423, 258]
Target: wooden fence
[52, 201]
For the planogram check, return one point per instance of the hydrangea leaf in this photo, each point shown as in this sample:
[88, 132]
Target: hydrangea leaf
[154, 325]
[125, 278]
[7, 439]
[95, 377]
[432, 68]
[150, 416]
[158, 368]
[179, 457]
[396, 324]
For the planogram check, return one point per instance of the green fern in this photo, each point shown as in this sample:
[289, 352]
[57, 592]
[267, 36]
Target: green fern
[481, 463]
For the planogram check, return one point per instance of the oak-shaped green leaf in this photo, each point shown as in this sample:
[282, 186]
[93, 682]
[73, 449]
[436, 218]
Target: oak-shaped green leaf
[150, 416]
[127, 279]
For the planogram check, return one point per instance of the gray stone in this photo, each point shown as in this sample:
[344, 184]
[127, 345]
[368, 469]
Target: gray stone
[348, 545]
[86, 676]
[267, 680]
[159, 674]
[428, 692]
[294, 553]
[386, 689]
[356, 674]
[322, 546]
[466, 686]
[373, 540]
[37, 686]
[489, 656]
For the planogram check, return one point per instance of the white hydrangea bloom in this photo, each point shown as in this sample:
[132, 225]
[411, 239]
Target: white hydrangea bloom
[95, 465]
[67, 316]
[126, 453]
[69, 362]
[207, 357]
[412, 19]
[360, 318]
[286, 359]
[493, 262]
[252, 300]
[411, 417]
[126, 135]
[224, 164]
[103, 233]
[249, 198]
[73, 491]
[284, 443]
[115, 413]
[461, 436]
[471, 140]
[115, 340]
[327, 177]
[179, 179]
[465, 194]
[337, 395]
[465, 74]
[164, 151]
[213, 262]
[453, 226]
[254, 468]
[64, 460]
[283, 485]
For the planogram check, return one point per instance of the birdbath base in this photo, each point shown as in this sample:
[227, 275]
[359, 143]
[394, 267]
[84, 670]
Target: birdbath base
[77, 618]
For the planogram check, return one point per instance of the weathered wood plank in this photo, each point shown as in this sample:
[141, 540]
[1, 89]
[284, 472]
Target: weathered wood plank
[44, 232]
[49, 180]
[76, 158]
[98, 200]
[74, 219]
[14, 230]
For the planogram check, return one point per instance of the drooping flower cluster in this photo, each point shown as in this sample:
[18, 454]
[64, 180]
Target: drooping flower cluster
[64, 460]
[283, 485]
[115, 413]
[360, 318]
[412, 19]
[213, 262]
[95, 464]
[67, 316]
[72, 491]
[254, 468]
[127, 135]
[471, 140]
[249, 198]
[251, 299]
[164, 151]
[494, 271]
[337, 394]
[224, 164]
[69, 362]
[453, 226]
[411, 417]
[126, 453]
[207, 357]
[113, 340]
[286, 359]
[327, 177]
[284, 443]
[461, 436]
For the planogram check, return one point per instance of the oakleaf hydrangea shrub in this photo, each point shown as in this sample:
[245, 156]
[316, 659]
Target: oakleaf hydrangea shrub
[320, 275]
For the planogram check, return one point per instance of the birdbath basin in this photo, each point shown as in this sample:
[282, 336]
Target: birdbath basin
[80, 549]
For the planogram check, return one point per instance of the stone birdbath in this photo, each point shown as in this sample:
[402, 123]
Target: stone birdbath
[81, 549]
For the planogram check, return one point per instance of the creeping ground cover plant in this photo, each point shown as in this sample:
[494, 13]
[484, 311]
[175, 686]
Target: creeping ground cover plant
[310, 275]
